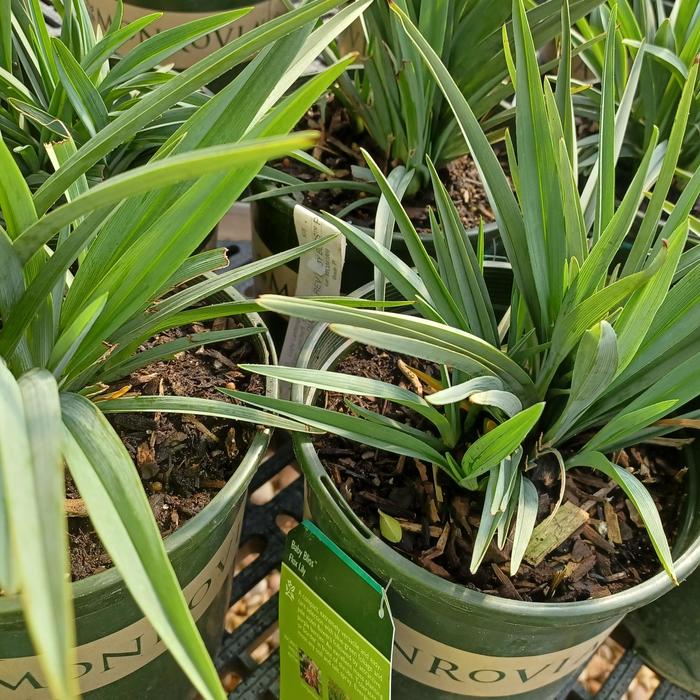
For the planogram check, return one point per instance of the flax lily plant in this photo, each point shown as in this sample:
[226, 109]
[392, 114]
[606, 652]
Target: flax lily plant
[89, 274]
[597, 348]
[54, 88]
[390, 94]
[667, 36]
[394, 97]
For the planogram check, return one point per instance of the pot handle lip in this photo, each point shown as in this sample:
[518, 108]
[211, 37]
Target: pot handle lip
[317, 479]
[345, 508]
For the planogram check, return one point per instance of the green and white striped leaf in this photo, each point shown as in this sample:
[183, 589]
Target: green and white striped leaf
[508, 215]
[618, 431]
[69, 341]
[159, 100]
[86, 100]
[458, 392]
[157, 48]
[504, 401]
[464, 348]
[200, 407]
[488, 524]
[359, 386]
[161, 173]
[164, 351]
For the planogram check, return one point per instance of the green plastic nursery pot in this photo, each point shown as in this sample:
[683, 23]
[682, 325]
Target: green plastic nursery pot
[119, 654]
[274, 231]
[177, 12]
[455, 643]
[666, 635]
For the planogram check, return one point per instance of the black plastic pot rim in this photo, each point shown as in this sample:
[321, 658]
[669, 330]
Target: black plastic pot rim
[405, 574]
[196, 6]
[286, 201]
[209, 516]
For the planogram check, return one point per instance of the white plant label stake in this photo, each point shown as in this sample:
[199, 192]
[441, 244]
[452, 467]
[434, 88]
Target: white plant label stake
[320, 272]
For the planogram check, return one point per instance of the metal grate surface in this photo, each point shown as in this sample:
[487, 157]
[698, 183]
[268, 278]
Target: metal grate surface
[261, 680]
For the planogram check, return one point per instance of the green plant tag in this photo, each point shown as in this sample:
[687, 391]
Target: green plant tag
[336, 629]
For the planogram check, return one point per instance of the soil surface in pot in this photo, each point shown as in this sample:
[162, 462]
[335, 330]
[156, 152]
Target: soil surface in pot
[610, 553]
[183, 460]
[339, 149]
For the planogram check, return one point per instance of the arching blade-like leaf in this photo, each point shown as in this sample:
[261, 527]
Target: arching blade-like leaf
[409, 330]
[157, 48]
[570, 326]
[165, 351]
[351, 427]
[399, 179]
[595, 366]
[464, 274]
[507, 480]
[605, 191]
[563, 90]
[68, 342]
[108, 45]
[640, 497]
[179, 87]
[86, 100]
[508, 213]
[423, 348]
[41, 118]
[360, 386]
[439, 298]
[121, 515]
[343, 383]
[641, 308]
[486, 452]
[464, 390]
[648, 230]
[505, 401]
[161, 173]
[399, 274]
[487, 525]
[357, 410]
[616, 433]
[528, 504]
[6, 35]
[16, 202]
[32, 472]
[174, 310]
[200, 407]
[621, 121]
[596, 266]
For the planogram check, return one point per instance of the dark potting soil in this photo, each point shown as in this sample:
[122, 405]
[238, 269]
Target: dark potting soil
[183, 460]
[610, 553]
[339, 149]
